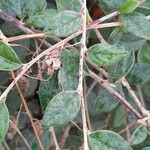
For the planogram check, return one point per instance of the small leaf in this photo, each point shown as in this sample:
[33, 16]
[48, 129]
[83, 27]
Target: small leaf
[107, 140]
[42, 19]
[68, 5]
[139, 74]
[66, 81]
[129, 6]
[105, 54]
[63, 108]
[4, 121]
[137, 24]
[47, 90]
[144, 53]
[8, 59]
[139, 135]
[64, 24]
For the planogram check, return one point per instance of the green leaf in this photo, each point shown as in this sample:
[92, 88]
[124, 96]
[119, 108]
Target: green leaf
[22, 8]
[139, 74]
[8, 59]
[105, 101]
[42, 19]
[70, 61]
[105, 54]
[68, 5]
[144, 53]
[146, 148]
[126, 39]
[129, 6]
[45, 139]
[118, 119]
[109, 6]
[63, 108]
[122, 68]
[47, 90]
[107, 140]
[137, 24]
[139, 135]
[64, 24]
[66, 81]
[4, 121]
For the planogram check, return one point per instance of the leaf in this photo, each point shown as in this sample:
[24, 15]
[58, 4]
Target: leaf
[70, 61]
[45, 139]
[122, 68]
[64, 24]
[144, 53]
[139, 74]
[126, 39]
[129, 6]
[8, 59]
[66, 81]
[4, 121]
[137, 24]
[63, 108]
[42, 19]
[111, 5]
[139, 135]
[105, 101]
[107, 140]
[47, 90]
[22, 8]
[118, 119]
[68, 5]
[146, 148]
[105, 54]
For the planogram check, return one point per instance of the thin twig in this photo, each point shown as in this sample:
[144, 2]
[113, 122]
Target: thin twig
[25, 141]
[6, 145]
[80, 85]
[29, 114]
[110, 89]
[51, 129]
[28, 36]
[64, 137]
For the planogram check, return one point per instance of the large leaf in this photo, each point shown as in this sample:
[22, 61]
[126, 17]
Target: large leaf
[139, 74]
[105, 54]
[137, 24]
[8, 59]
[68, 5]
[47, 90]
[107, 140]
[64, 23]
[63, 108]
[4, 120]
[42, 19]
[139, 135]
[144, 54]
[66, 81]
[129, 6]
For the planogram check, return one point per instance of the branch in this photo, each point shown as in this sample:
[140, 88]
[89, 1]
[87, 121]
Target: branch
[110, 89]
[80, 85]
